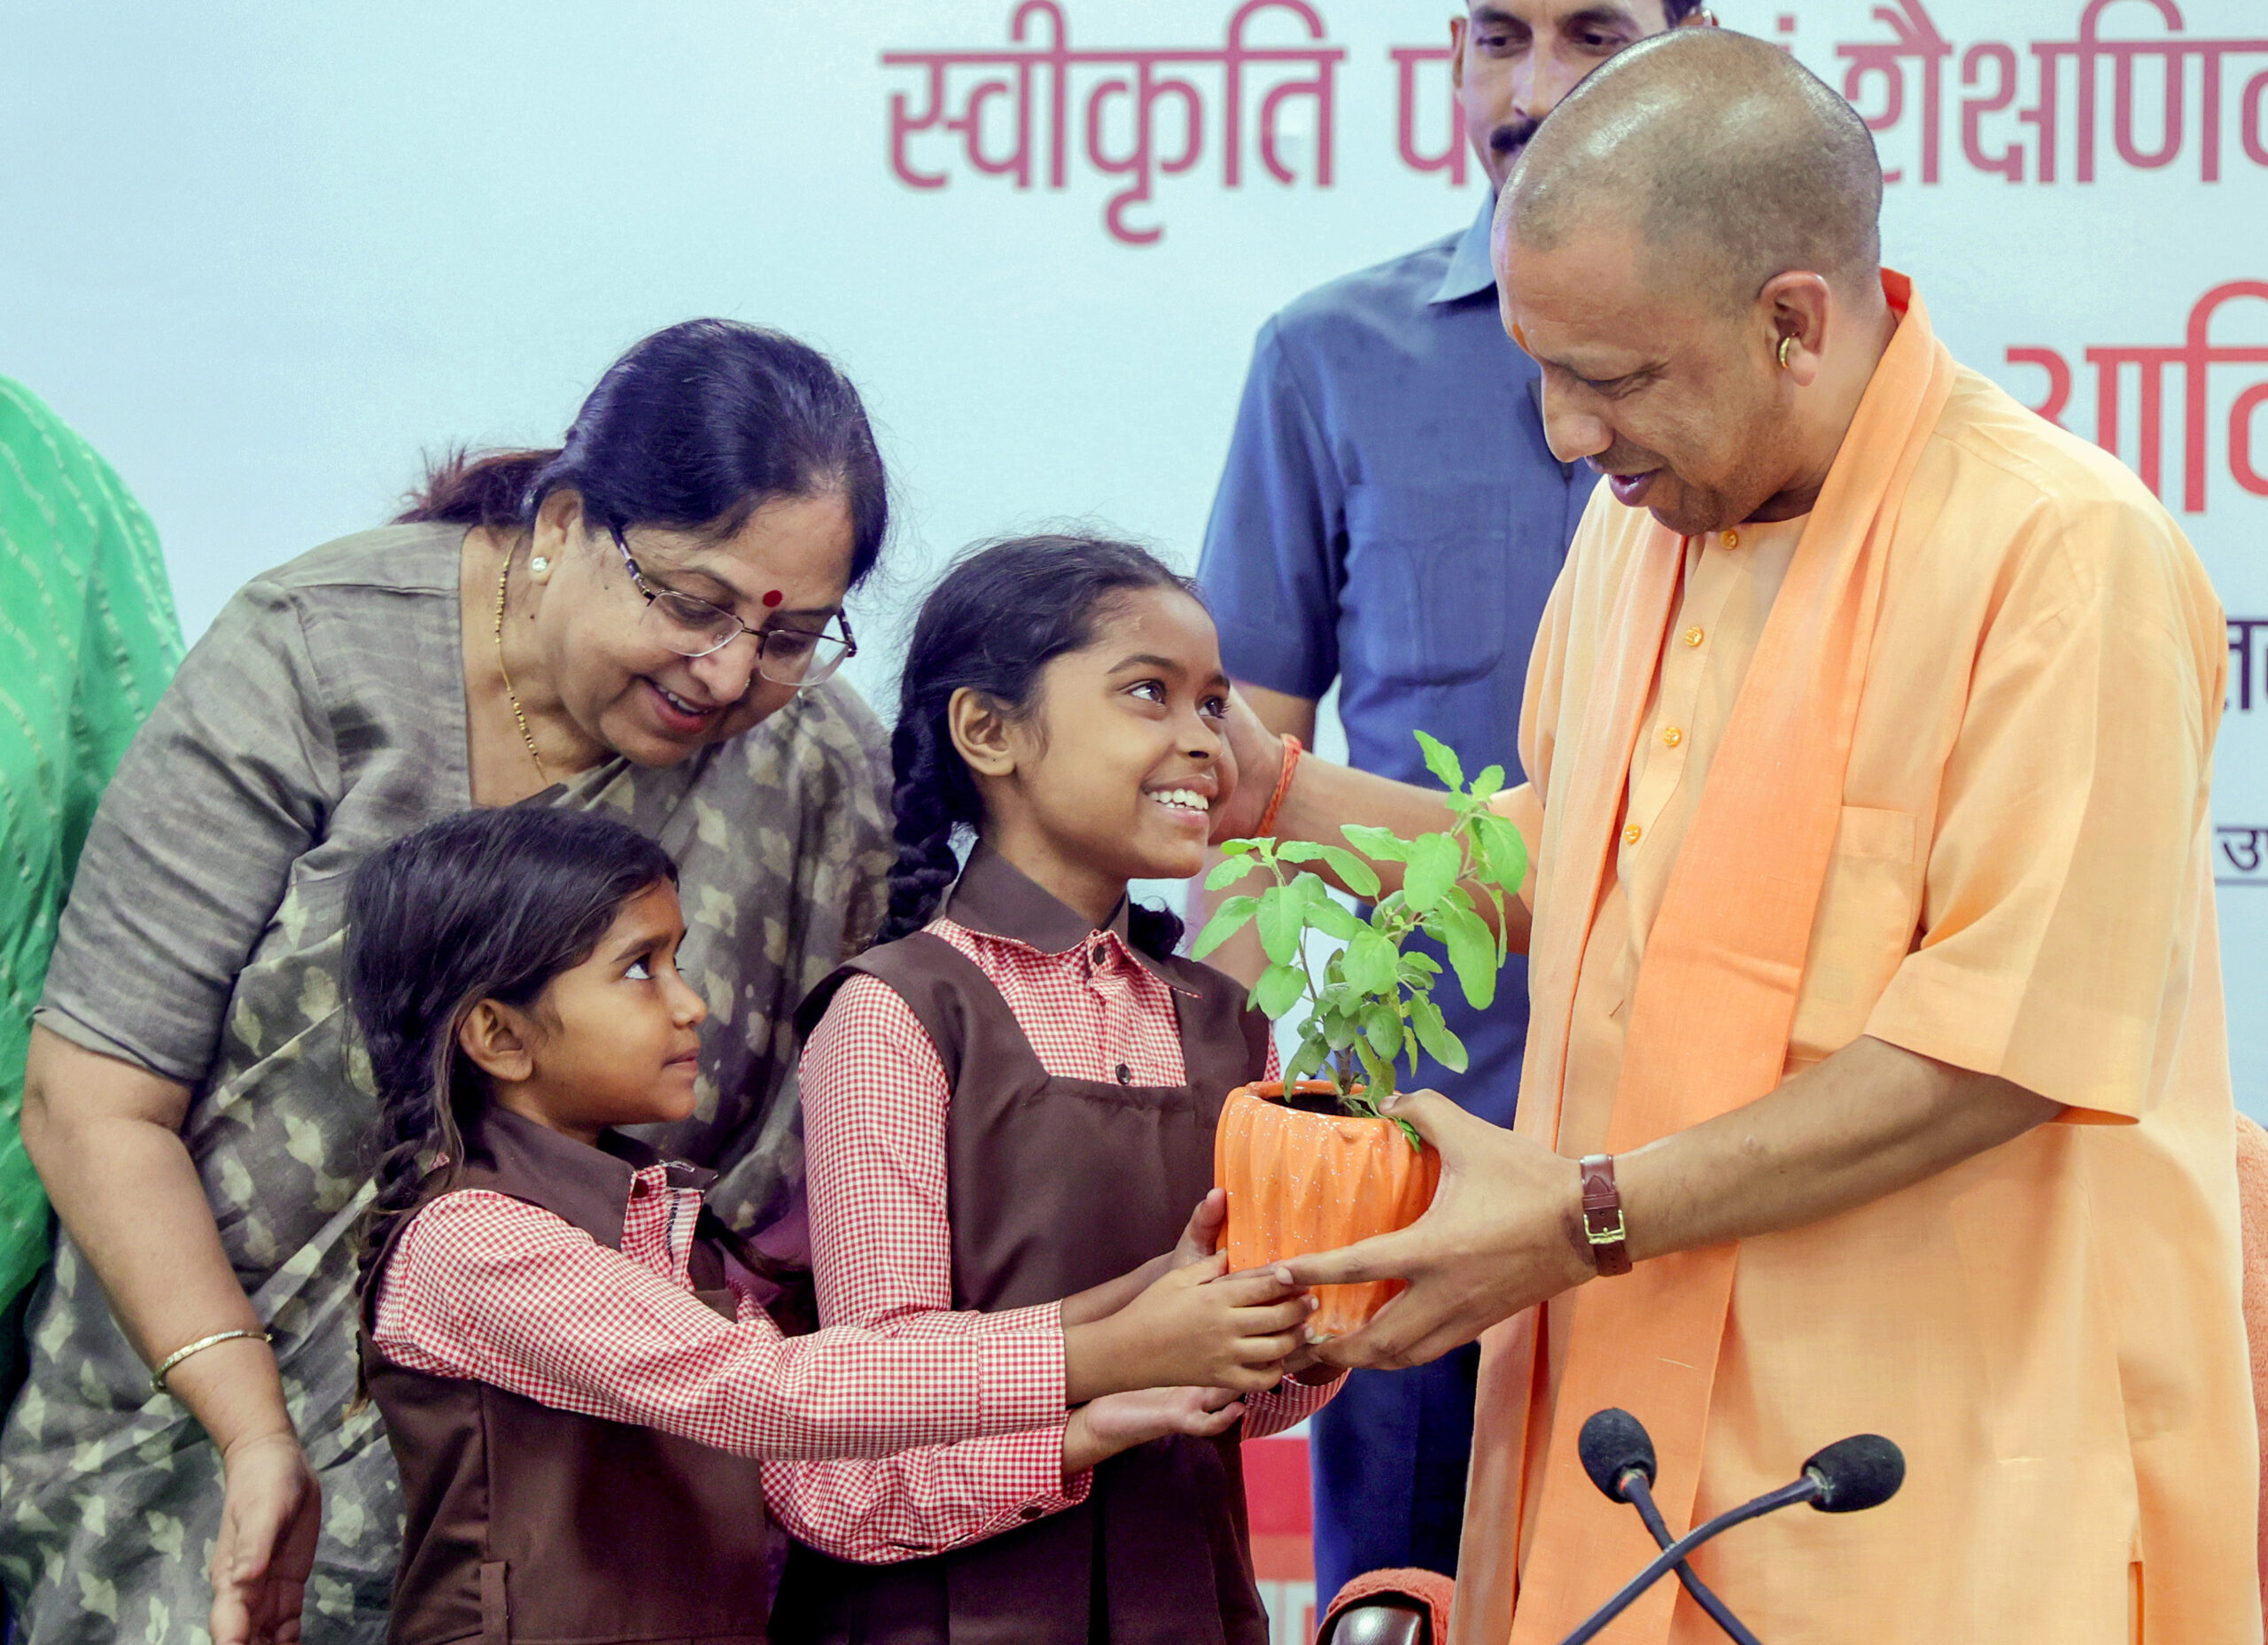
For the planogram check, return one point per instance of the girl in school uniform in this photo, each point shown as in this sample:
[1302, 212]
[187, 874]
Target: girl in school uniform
[576, 1370]
[1013, 1094]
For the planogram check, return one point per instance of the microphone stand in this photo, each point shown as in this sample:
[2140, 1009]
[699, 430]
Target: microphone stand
[1803, 1490]
[1635, 1492]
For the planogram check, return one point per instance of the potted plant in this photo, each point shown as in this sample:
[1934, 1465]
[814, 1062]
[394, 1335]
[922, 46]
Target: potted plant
[1319, 1167]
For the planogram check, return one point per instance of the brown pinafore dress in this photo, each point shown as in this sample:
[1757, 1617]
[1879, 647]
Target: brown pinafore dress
[1055, 1185]
[527, 1524]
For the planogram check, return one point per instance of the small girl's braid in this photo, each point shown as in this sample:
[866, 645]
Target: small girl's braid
[926, 865]
[413, 1121]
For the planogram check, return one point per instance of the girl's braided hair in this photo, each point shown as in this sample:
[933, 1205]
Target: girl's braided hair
[488, 905]
[1004, 612]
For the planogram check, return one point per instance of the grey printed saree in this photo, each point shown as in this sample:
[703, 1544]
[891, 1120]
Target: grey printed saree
[322, 715]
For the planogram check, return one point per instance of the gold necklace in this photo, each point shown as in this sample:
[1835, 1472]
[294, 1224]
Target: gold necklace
[511, 695]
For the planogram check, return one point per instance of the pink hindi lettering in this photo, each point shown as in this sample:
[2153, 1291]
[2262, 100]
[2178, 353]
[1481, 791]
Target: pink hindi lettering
[1018, 110]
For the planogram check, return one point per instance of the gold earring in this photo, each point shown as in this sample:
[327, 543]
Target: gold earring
[1786, 343]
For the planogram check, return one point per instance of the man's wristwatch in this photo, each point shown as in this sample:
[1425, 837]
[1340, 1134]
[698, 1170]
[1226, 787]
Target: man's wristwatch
[1602, 1216]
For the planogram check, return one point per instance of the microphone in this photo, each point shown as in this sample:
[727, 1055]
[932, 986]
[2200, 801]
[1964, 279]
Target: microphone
[1862, 1471]
[1618, 1454]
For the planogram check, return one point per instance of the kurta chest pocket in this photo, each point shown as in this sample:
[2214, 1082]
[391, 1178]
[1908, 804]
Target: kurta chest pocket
[1863, 928]
[1425, 600]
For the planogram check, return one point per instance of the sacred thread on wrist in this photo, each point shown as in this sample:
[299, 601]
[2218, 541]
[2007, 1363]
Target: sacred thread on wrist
[1292, 750]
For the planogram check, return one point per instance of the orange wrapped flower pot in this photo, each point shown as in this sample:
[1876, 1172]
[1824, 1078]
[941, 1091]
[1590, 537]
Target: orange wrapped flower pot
[1300, 1181]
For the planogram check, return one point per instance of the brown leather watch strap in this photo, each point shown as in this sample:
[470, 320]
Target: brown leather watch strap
[1603, 1215]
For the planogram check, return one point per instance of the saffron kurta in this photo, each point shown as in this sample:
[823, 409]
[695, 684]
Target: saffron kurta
[2020, 885]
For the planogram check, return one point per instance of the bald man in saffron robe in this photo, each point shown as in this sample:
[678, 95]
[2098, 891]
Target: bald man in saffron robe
[1871, 937]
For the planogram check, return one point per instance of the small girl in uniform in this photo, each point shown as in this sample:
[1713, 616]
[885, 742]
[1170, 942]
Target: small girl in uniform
[569, 1349]
[1013, 1094]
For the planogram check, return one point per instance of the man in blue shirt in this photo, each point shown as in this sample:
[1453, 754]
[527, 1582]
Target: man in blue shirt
[1392, 519]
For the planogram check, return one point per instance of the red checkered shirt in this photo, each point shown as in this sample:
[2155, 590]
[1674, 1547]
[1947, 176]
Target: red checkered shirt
[489, 1287]
[875, 1099]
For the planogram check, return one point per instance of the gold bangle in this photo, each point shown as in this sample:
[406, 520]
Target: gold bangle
[158, 1377]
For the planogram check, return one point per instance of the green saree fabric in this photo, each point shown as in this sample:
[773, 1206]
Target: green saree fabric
[87, 640]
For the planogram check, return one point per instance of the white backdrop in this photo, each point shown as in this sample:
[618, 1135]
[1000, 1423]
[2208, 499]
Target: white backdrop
[265, 256]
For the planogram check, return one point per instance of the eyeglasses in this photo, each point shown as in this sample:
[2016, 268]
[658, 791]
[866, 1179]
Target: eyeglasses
[694, 628]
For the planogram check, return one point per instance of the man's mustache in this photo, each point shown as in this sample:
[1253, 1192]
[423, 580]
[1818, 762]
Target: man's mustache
[1621, 459]
[1511, 137]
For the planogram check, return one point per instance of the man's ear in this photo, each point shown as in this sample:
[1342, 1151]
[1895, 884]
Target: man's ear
[1457, 53]
[983, 733]
[495, 1036]
[1796, 309]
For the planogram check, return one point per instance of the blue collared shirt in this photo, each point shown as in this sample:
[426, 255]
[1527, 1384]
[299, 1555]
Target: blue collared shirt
[1390, 518]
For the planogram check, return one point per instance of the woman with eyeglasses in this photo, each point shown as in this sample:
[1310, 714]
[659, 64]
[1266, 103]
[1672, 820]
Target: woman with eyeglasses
[642, 624]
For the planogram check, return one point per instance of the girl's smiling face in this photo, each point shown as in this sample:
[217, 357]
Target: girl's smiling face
[1111, 772]
[613, 1041]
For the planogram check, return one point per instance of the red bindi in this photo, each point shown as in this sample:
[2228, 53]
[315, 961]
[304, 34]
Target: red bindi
[773, 597]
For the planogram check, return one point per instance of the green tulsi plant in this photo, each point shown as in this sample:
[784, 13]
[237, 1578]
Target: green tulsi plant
[1372, 1003]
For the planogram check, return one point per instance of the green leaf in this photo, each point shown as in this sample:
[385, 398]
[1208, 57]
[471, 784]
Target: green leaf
[1419, 969]
[1382, 1026]
[1489, 784]
[1409, 1134]
[1298, 851]
[1377, 1073]
[1278, 989]
[1434, 860]
[1227, 920]
[1339, 1029]
[1357, 875]
[1369, 962]
[1473, 952]
[1335, 919]
[1237, 848]
[1433, 1033]
[1502, 849]
[1380, 845]
[1282, 918]
[1504, 930]
[1308, 1060]
[1442, 762]
[1228, 872]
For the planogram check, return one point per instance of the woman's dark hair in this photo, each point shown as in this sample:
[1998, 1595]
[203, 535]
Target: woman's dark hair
[486, 904]
[1002, 613]
[694, 428]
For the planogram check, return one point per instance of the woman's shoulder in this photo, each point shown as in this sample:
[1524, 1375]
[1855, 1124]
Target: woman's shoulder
[421, 559]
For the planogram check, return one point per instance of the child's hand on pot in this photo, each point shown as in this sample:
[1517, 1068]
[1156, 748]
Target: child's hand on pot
[1193, 1327]
[1119, 1422]
[1198, 1237]
[1201, 1237]
[1307, 1365]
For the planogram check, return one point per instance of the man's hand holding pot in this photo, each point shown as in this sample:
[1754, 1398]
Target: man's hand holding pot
[1505, 1232]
